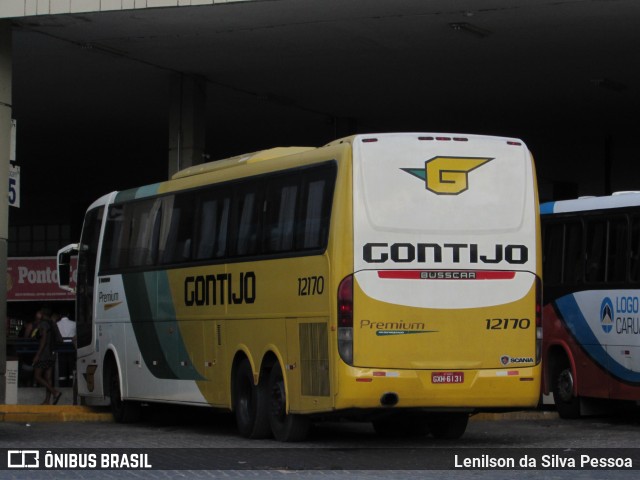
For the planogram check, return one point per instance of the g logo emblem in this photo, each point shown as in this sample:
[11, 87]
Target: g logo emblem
[447, 175]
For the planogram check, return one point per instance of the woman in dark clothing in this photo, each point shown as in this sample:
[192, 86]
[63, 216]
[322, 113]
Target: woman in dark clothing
[45, 360]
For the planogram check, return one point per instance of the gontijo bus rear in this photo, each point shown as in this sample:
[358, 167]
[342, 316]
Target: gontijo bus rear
[445, 285]
[393, 277]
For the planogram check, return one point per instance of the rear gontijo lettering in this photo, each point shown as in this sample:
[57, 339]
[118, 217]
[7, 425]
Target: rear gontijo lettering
[439, 253]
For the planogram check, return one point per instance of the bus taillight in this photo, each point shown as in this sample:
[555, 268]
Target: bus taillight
[345, 320]
[538, 320]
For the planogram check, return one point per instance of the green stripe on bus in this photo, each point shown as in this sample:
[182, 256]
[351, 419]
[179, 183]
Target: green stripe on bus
[166, 315]
[154, 323]
[144, 326]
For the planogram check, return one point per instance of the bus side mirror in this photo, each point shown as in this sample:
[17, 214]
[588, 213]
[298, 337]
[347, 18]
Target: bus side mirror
[64, 266]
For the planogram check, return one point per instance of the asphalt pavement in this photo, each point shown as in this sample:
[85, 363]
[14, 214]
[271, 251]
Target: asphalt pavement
[202, 443]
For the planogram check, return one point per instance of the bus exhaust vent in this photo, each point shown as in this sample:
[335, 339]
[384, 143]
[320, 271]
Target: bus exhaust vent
[219, 334]
[314, 359]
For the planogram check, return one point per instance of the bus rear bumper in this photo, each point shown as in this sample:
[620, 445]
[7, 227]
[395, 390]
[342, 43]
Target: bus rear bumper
[480, 390]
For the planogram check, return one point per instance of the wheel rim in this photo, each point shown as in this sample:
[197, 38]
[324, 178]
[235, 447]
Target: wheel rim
[565, 385]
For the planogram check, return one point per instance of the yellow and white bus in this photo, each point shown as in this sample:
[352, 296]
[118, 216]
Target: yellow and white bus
[390, 277]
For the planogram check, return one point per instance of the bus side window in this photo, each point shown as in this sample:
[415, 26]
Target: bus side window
[313, 217]
[212, 227]
[177, 228]
[137, 240]
[617, 258]
[313, 230]
[281, 215]
[112, 243]
[573, 253]
[596, 250]
[248, 222]
[223, 229]
[553, 250]
[144, 246]
[634, 249]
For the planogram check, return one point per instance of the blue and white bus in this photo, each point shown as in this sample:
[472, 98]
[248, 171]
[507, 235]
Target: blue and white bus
[591, 316]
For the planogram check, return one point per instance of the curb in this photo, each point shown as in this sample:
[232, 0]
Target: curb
[52, 413]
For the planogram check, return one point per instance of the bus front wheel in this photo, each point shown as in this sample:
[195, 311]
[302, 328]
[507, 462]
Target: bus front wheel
[124, 411]
[567, 403]
[250, 404]
[286, 427]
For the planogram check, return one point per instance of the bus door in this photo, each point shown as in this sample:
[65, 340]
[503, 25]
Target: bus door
[87, 258]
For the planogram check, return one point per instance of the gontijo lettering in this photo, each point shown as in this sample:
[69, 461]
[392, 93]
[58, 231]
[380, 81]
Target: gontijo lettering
[447, 252]
[220, 289]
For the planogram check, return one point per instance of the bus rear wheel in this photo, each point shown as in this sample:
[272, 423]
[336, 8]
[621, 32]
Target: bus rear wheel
[286, 427]
[250, 403]
[124, 411]
[567, 403]
[448, 426]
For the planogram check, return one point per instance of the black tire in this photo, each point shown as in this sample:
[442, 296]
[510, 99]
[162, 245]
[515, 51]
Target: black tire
[401, 424]
[250, 403]
[286, 427]
[567, 404]
[448, 426]
[124, 411]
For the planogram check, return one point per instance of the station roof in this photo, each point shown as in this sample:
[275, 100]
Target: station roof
[89, 87]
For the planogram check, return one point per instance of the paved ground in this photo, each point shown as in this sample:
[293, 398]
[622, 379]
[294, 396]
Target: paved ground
[199, 443]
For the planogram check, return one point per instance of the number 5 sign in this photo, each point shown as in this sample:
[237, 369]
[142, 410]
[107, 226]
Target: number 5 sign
[14, 186]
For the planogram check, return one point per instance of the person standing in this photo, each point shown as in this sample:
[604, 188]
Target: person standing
[67, 327]
[44, 360]
[66, 356]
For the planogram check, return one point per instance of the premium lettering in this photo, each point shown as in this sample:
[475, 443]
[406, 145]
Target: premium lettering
[392, 325]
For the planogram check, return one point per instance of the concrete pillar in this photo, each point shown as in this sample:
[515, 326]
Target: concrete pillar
[5, 138]
[186, 122]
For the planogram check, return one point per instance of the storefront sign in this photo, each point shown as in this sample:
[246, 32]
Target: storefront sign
[36, 278]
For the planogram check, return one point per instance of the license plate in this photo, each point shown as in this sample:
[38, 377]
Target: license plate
[447, 377]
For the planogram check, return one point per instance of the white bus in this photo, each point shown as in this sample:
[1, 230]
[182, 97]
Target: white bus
[592, 301]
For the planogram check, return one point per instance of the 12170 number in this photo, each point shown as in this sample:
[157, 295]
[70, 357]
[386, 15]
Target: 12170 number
[310, 286]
